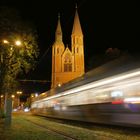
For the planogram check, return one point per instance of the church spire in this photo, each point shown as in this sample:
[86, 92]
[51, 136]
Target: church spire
[58, 33]
[76, 26]
[76, 6]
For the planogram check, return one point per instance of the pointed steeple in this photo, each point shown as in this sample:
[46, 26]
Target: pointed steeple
[76, 26]
[58, 33]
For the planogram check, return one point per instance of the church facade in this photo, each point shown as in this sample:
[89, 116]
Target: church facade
[67, 63]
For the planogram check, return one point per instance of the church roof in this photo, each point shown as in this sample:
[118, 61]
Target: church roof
[67, 51]
[76, 26]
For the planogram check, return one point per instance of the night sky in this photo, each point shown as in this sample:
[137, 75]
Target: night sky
[104, 24]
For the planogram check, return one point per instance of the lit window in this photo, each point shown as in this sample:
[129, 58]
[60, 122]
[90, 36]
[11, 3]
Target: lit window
[67, 63]
[68, 67]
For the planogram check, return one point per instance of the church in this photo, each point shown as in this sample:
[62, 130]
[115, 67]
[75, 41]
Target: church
[67, 63]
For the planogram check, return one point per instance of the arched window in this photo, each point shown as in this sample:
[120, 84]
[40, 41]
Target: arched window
[77, 50]
[73, 40]
[67, 63]
[68, 67]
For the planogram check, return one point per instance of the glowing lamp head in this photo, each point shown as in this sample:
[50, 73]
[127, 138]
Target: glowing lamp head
[5, 41]
[59, 85]
[18, 43]
[13, 96]
[1, 96]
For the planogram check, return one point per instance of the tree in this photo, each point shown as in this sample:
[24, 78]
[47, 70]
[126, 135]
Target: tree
[15, 59]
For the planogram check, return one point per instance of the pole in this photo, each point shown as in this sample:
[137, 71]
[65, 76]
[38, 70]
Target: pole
[8, 110]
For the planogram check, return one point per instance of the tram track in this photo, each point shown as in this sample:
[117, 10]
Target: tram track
[71, 130]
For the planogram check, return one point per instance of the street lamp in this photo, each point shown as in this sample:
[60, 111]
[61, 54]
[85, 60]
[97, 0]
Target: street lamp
[1, 96]
[18, 43]
[1, 100]
[13, 96]
[19, 92]
[6, 54]
[18, 95]
[6, 42]
[59, 85]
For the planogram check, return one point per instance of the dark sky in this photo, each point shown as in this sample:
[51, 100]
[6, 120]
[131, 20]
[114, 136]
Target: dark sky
[104, 23]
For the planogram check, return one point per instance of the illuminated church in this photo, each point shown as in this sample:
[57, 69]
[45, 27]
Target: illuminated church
[67, 63]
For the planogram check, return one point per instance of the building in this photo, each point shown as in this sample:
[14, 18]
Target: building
[67, 64]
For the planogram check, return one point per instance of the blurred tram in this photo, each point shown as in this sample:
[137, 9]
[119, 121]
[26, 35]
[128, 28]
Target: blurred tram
[108, 95]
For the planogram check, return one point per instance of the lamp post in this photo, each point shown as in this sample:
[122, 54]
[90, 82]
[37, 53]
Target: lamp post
[13, 97]
[18, 96]
[1, 100]
[6, 53]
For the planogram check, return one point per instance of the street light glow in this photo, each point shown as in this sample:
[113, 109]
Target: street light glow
[13, 96]
[59, 85]
[18, 43]
[19, 92]
[36, 94]
[1, 96]
[11, 48]
[5, 41]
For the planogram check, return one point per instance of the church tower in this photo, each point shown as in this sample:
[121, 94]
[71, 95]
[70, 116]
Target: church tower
[57, 50]
[77, 45]
[67, 64]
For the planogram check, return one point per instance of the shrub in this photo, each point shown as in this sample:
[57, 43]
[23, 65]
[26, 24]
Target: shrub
[2, 114]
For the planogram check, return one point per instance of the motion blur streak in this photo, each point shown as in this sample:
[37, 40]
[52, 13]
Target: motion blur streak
[110, 100]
